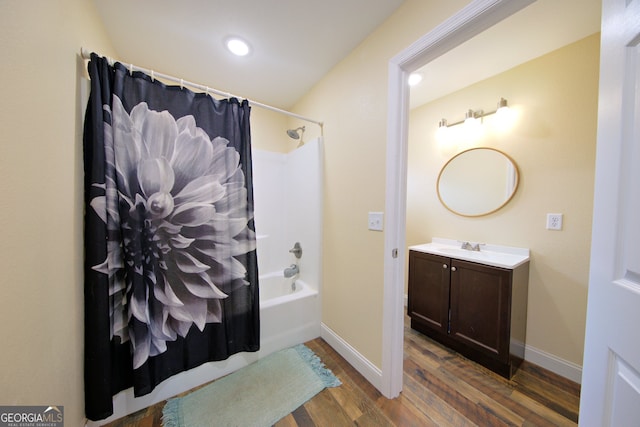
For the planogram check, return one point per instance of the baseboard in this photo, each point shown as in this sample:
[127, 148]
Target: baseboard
[372, 373]
[553, 363]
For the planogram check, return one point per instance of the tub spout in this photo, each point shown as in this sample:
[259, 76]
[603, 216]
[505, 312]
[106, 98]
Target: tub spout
[291, 271]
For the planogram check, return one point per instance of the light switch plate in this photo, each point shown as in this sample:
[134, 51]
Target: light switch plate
[375, 221]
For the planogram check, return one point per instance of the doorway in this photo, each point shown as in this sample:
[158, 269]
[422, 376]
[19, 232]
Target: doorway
[465, 25]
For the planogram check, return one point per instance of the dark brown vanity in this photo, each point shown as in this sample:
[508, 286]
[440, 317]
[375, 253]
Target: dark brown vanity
[472, 301]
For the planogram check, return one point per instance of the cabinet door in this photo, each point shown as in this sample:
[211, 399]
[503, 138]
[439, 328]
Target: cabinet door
[429, 290]
[480, 313]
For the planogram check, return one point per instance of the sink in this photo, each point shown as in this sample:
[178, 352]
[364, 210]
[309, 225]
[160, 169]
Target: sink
[450, 250]
[494, 255]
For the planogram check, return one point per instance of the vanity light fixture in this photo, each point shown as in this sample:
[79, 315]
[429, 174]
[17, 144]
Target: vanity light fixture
[472, 117]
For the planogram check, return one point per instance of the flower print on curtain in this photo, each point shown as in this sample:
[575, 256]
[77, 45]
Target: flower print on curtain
[171, 272]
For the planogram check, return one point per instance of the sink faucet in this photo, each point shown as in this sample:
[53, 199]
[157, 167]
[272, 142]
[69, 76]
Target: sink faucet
[471, 246]
[291, 271]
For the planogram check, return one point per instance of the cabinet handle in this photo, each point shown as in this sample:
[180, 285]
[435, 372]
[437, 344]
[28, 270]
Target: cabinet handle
[444, 266]
[453, 269]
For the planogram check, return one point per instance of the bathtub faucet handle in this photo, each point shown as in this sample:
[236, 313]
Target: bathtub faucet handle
[296, 250]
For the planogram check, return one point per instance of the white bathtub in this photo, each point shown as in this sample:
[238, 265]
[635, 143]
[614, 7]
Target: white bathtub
[288, 315]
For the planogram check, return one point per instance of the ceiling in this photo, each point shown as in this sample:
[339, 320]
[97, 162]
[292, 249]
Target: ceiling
[296, 42]
[540, 28]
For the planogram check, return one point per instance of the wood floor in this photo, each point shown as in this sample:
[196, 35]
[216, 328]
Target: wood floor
[441, 388]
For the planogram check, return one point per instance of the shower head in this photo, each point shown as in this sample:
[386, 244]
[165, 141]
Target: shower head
[293, 133]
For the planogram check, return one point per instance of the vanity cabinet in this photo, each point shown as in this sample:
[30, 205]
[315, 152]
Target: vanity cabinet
[477, 310]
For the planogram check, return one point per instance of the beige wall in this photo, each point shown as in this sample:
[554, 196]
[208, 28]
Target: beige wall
[41, 308]
[552, 140]
[352, 101]
[268, 131]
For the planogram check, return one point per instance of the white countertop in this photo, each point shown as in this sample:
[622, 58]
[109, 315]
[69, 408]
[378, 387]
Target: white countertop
[494, 255]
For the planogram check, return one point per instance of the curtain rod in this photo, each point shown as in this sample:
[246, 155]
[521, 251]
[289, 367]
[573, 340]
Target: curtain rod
[86, 54]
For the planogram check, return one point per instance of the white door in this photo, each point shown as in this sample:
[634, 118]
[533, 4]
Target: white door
[611, 376]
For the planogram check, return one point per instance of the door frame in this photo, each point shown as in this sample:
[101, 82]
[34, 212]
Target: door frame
[473, 19]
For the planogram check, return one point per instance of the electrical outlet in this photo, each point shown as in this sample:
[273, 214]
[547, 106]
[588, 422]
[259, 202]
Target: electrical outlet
[554, 221]
[375, 221]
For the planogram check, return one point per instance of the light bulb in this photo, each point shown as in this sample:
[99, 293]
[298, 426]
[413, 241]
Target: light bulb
[503, 108]
[470, 119]
[414, 79]
[237, 46]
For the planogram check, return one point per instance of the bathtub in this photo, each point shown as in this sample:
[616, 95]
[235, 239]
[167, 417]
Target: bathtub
[289, 312]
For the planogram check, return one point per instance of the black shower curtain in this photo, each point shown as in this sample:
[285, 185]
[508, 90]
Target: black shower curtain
[171, 278]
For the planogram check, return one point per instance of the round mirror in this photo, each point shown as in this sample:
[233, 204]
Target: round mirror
[477, 182]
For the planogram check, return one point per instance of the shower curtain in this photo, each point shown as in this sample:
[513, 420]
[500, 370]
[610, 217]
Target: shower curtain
[171, 278]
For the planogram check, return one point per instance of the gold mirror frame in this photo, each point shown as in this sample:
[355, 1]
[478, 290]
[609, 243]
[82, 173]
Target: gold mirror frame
[512, 179]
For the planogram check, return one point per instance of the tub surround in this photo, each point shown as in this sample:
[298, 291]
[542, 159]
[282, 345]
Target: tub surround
[288, 210]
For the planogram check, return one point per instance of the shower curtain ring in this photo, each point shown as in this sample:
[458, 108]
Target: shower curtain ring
[153, 77]
[131, 69]
[181, 83]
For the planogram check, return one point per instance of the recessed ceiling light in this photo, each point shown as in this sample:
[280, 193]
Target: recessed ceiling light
[237, 46]
[414, 79]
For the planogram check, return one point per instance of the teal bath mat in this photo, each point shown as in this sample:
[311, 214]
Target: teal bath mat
[257, 395]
